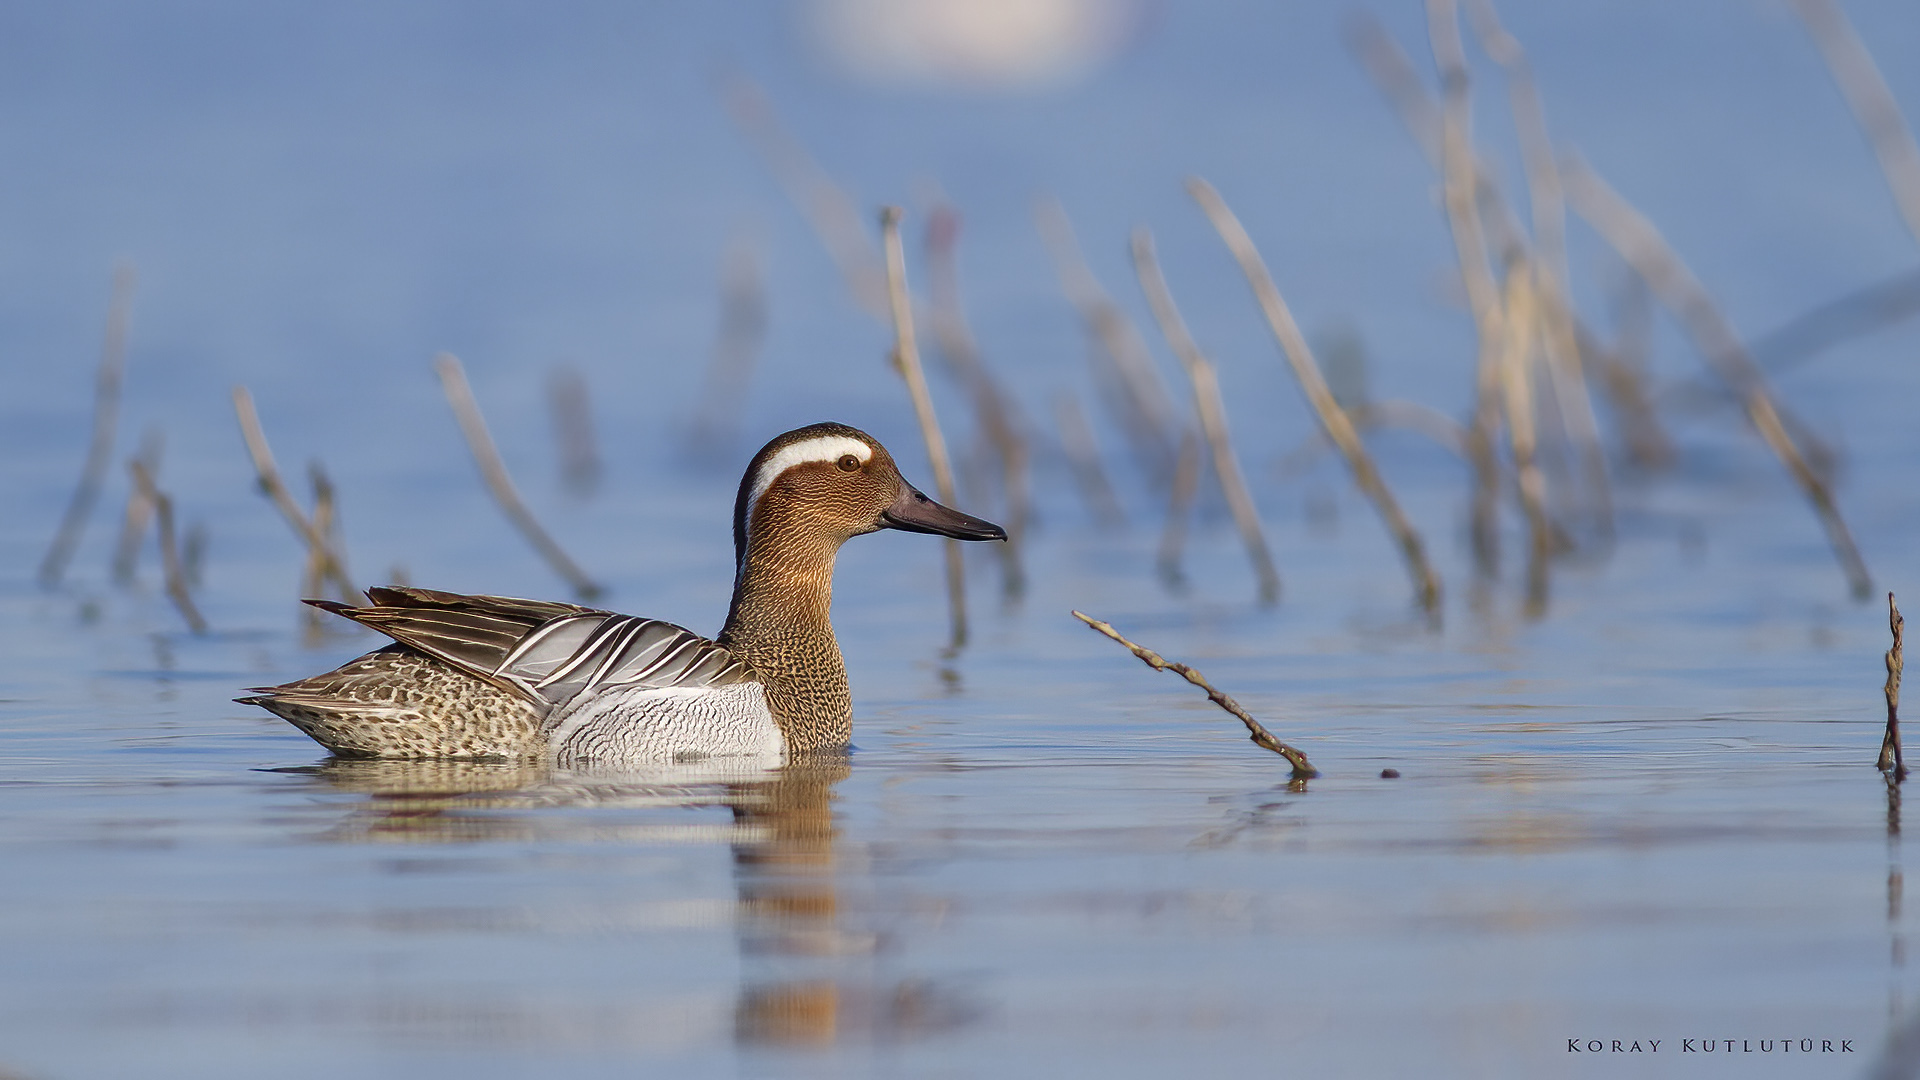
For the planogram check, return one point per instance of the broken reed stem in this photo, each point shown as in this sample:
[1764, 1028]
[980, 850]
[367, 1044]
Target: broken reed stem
[992, 408]
[1460, 174]
[737, 342]
[1547, 198]
[493, 471]
[1647, 251]
[1302, 769]
[906, 361]
[1146, 410]
[1173, 536]
[1083, 460]
[139, 513]
[276, 489]
[1333, 419]
[1516, 380]
[1872, 103]
[1212, 411]
[834, 215]
[570, 403]
[106, 416]
[313, 577]
[176, 580]
[1890, 756]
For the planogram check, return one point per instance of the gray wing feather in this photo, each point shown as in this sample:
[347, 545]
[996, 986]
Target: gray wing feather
[550, 652]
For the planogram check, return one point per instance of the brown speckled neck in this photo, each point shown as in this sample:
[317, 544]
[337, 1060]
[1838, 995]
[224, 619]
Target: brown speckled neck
[778, 623]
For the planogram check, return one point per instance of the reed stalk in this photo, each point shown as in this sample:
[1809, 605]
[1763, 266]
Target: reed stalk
[493, 472]
[1256, 731]
[1647, 251]
[1891, 760]
[1517, 394]
[1333, 419]
[175, 577]
[316, 621]
[1083, 461]
[906, 361]
[106, 418]
[993, 408]
[318, 546]
[138, 514]
[1873, 104]
[1212, 412]
[1146, 410]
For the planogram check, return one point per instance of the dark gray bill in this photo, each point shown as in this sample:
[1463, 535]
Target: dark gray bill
[914, 512]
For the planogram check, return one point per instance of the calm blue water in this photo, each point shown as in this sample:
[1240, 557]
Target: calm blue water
[1649, 815]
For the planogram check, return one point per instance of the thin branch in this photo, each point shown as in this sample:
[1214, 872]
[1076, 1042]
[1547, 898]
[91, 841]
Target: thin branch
[1516, 381]
[313, 577]
[453, 380]
[176, 581]
[139, 512]
[906, 361]
[106, 418]
[1333, 419]
[1083, 460]
[1642, 246]
[834, 215]
[1872, 103]
[1212, 411]
[1257, 732]
[1145, 408]
[993, 408]
[1173, 535]
[1890, 757]
[276, 489]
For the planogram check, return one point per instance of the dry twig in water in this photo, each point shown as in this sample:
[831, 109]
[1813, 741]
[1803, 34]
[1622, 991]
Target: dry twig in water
[571, 406]
[992, 408]
[176, 581]
[1256, 731]
[1144, 406]
[1083, 460]
[1333, 419]
[453, 380]
[1212, 412]
[1890, 757]
[1642, 246]
[318, 547]
[835, 216]
[906, 361]
[314, 577]
[1872, 103]
[106, 417]
[1173, 536]
[139, 512]
[1516, 381]
[743, 329]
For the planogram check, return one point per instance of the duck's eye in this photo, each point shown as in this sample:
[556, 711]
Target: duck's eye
[848, 463]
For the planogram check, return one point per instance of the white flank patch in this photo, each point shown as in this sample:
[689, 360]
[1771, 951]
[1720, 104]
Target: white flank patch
[828, 448]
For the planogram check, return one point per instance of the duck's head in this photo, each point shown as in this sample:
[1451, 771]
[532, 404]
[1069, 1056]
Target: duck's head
[828, 482]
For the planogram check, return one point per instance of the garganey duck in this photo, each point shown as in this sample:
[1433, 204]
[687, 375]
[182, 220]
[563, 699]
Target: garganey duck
[494, 677]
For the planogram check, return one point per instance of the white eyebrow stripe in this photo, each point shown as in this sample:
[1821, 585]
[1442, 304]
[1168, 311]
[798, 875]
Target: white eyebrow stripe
[818, 448]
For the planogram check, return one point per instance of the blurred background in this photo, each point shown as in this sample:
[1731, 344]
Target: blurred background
[1636, 798]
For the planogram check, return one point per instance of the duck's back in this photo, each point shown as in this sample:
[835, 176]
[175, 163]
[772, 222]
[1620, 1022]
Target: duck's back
[486, 676]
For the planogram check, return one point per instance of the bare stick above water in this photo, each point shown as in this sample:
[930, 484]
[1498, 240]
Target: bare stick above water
[106, 418]
[176, 580]
[1333, 419]
[1146, 410]
[453, 380]
[1256, 731]
[139, 512]
[1212, 412]
[275, 489]
[1647, 251]
[1872, 103]
[315, 620]
[906, 361]
[1890, 756]
[1517, 392]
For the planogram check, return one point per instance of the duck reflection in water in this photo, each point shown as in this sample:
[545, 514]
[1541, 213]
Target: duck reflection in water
[807, 974]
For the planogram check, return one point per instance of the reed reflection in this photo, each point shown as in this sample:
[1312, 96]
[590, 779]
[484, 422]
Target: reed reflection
[809, 973]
